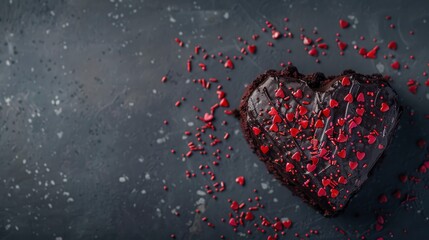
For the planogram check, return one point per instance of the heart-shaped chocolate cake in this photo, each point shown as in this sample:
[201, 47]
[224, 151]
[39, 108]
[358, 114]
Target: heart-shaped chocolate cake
[320, 136]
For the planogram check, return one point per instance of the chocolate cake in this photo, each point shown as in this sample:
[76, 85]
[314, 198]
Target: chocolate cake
[320, 136]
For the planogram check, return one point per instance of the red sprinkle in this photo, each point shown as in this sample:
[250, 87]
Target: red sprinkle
[264, 149]
[392, 45]
[224, 103]
[395, 65]
[342, 45]
[251, 49]
[353, 165]
[313, 52]
[240, 180]
[373, 53]
[321, 192]
[384, 107]
[344, 23]
[229, 64]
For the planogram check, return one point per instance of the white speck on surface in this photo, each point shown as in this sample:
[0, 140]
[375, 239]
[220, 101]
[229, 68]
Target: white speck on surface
[58, 111]
[275, 200]
[161, 140]
[201, 193]
[123, 178]
[427, 96]
[158, 212]
[147, 176]
[141, 159]
[354, 20]
[264, 186]
[380, 67]
[7, 100]
[172, 19]
[60, 134]
[58, 238]
[226, 15]
[200, 201]
[190, 124]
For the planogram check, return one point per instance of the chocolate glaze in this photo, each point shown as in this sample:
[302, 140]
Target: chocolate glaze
[368, 131]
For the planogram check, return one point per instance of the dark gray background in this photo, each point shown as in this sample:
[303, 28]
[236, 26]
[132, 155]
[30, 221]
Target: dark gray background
[85, 155]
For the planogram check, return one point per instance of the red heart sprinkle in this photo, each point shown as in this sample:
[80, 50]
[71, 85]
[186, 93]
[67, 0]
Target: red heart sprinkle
[353, 165]
[342, 153]
[326, 112]
[302, 110]
[303, 123]
[321, 192]
[249, 216]
[287, 223]
[264, 149]
[395, 65]
[341, 121]
[313, 52]
[234, 205]
[344, 23]
[348, 98]
[360, 97]
[224, 103]
[333, 103]
[392, 45]
[384, 107]
[240, 180]
[232, 222]
[229, 64]
[274, 128]
[208, 117]
[360, 111]
[279, 93]
[363, 51]
[311, 167]
[319, 124]
[290, 116]
[294, 132]
[326, 182]
[256, 130]
[251, 49]
[273, 111]
[298, 93]
[360, 155]
[277, 119]
[342, 180]
[334, 193]
[289, 167]
[342, 138]
[345, 81]
[296, 156]
[342, 45]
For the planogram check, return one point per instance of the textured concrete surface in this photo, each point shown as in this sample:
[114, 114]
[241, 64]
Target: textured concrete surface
[84, 152]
